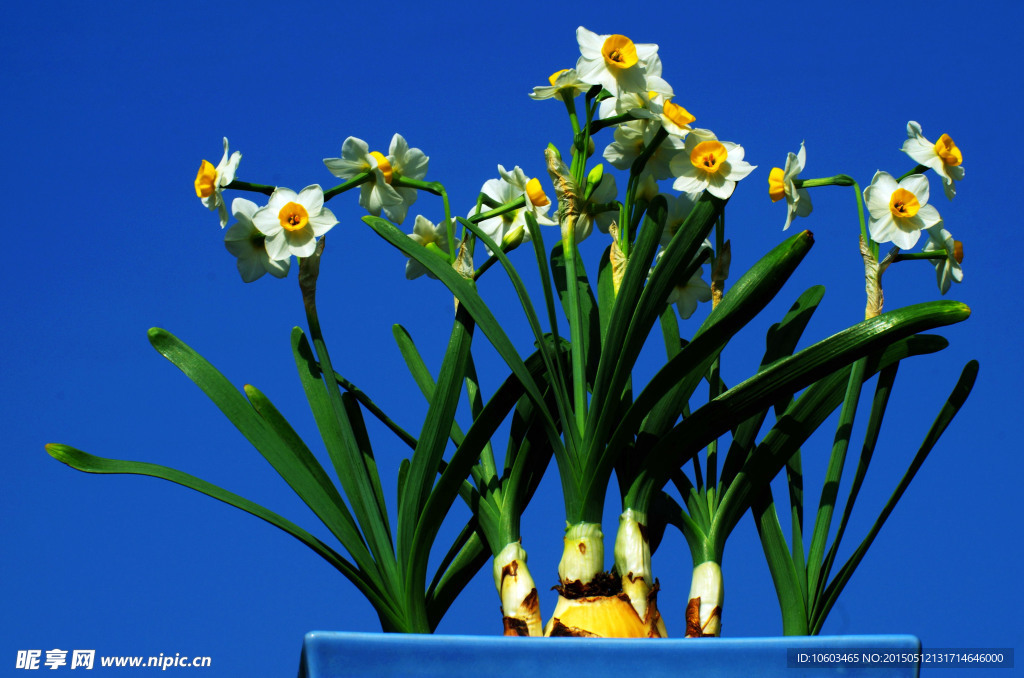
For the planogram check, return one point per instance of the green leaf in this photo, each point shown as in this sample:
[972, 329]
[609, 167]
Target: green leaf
[429, 451]
[833, 476]
[92, 464]
[274, 438]
[421, 373]
[883, 389]
[468, 554]
[780, 563]
[465, 291]
[802, 418]
[681, 374]
[780, 342]
[794, 373]
[949, 410]
[348, 459]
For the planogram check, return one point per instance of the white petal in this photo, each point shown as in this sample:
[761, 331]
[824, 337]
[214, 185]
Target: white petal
[720, 187]
[882, 229]
[265, 220]
[312, 198]
[590, 43]
[928, 216]
[250, 268]
[904, 235]
[399, 146]
[354, 149]
[423, 228]
[919, 150]
[300, 243]
[277, 268]
[243, 210]
[344, 169]
[322, 222]
[277, 246]
[281, 197]
[918, 185]
[689, 184]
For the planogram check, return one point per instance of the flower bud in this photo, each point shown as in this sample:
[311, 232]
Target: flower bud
[593, 180]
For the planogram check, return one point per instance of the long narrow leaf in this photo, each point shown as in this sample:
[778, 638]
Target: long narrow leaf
[348, 460]
[296, 465]
[88, 463]
[430, 446]
[803, 417]
[780, 563]
[949, 410]
[465, 292]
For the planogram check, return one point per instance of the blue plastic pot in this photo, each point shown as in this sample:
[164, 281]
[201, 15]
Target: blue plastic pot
[344, 655]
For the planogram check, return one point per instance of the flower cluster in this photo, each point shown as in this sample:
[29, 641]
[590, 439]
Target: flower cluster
[652, 138]
[898, 209]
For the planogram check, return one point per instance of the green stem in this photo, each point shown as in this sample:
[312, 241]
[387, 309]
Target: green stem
[357, 180]
[937, 255]
[599, 125]
[255, 188]
[373, 409]
[634, 183]
[579, 374]
[498, 211]
[437, 188]
[920, 169]
[863, 223]
[837, 180]
[358, 486]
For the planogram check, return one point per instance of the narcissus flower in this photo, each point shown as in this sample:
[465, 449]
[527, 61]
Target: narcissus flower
[943, 156]
[615, 62]
[659, 108]
[427, 234]
[782, 184]
[509, 187]
[410, 163]
[564, 83]
[709, 164]
[377, 193]
[293, 221]
[210, 181]
[688, 293]
[630, 140]
[899, 211]
[679, 207]
[246, 242]
[947, 270]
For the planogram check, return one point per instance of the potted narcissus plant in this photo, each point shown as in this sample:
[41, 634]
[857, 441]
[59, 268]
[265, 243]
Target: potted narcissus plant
[688, 451]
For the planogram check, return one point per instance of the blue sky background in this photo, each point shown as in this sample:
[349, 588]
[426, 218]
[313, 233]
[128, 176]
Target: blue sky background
[110, 107]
